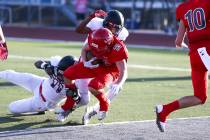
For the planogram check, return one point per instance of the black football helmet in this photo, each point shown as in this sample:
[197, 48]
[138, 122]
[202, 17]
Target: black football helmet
[66, 62]
[114, 19]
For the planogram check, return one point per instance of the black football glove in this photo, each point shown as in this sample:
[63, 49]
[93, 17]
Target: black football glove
[74, 94]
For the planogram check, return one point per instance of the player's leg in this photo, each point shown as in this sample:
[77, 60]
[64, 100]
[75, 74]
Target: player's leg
[70, 105]
[29, 105]
[82, 86]
[21, 106]
[94, 110]
[96, 87]
[200, 85]
[71, 74]
[25, 80]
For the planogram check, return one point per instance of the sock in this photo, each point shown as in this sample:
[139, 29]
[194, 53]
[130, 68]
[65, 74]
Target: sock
[69, 104]
[168, 108]
[103, 101]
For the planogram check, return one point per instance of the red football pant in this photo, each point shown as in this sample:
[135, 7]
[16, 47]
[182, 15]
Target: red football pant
[199, 76]
[102, 76]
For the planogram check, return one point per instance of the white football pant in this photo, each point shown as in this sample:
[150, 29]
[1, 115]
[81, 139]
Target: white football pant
[31, 83]
[82, 85]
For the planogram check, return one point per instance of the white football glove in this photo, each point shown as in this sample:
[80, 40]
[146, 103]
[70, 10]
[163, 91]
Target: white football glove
[115, 88]
[88, 64]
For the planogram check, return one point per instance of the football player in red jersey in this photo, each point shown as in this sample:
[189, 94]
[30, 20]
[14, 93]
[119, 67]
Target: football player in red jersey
[3, 46]
[194, 18]
[107, 67]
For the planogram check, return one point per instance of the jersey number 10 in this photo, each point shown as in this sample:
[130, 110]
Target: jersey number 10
[196, 19]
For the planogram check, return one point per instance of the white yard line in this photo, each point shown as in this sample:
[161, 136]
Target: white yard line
[129, 65]
[145, 121]
[112, 123]
[157, 67]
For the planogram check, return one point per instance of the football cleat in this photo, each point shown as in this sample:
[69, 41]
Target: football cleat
[61, 115]
[89, 113]
[102, 115]
[160, 124]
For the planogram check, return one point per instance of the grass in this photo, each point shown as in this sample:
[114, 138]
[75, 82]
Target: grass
[144, 88]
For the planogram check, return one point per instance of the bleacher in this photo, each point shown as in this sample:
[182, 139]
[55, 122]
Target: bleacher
[37, 12]
[33, 2]
[139, 14]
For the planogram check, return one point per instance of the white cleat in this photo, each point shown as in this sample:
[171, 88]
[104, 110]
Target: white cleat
[161, 125]
[61, 115]
[102, 115]
[89, 113]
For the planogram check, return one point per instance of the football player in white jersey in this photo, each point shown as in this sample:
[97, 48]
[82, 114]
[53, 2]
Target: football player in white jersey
[114, 21]
[47, 92]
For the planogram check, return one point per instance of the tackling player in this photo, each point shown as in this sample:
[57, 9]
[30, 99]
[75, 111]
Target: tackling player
[194, 17]
[3, 46]
[47, 92]
[114, 21]
[108, 66]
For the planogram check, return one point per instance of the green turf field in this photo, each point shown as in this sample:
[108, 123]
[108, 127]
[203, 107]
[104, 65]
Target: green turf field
[145, 87]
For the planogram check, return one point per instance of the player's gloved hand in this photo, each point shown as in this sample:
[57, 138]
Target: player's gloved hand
[49, 69]
[40, 64]
[98, 13]
[3, 51]
[74, 93]
[89, 64]
[115, 88]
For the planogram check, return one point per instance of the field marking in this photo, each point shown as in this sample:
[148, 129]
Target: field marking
[144, 121]
[129, 65]
[101, 124]
[157, 67]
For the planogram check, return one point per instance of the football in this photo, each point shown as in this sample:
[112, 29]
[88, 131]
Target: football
[89, 56]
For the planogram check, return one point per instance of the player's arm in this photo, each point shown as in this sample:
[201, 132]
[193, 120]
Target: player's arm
[46, 66]
[179, 42]
[82, 28]
[116, 86]
[123, 74]
[40, 64]
[3, 46]
[85, 48]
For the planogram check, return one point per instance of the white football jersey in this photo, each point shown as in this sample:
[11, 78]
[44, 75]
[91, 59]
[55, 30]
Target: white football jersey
[97, 23]
[53, 89]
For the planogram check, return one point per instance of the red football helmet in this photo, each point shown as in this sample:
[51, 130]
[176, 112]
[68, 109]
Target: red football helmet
[101, 41]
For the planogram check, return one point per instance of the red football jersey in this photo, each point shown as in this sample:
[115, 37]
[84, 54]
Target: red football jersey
[196, 17]
[117, 52]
